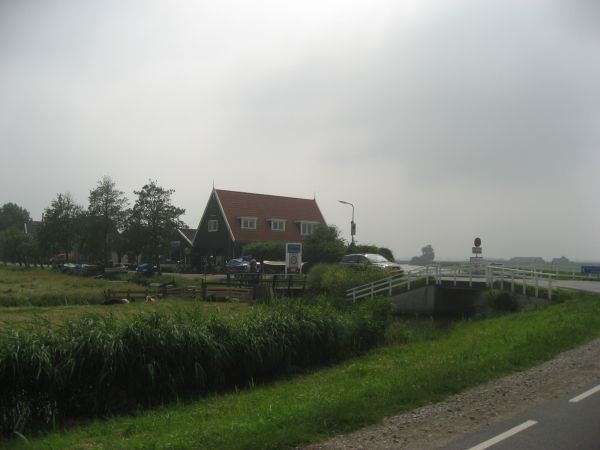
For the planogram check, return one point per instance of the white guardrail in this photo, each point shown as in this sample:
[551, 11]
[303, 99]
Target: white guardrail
[491, 275]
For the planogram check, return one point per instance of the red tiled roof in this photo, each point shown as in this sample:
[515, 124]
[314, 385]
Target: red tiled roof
[265, 207]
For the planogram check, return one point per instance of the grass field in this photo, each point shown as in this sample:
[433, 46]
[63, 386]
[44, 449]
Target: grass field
[48, 287]
[57, 315]
[414, 369]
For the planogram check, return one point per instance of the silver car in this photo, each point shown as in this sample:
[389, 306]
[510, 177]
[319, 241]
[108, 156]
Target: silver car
[364, 260]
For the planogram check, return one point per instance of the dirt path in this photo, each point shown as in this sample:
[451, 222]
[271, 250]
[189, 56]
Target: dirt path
[436, 425]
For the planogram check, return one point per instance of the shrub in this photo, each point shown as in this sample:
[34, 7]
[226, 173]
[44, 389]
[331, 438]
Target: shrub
[334, 279]
[324, 245]
[502, 301]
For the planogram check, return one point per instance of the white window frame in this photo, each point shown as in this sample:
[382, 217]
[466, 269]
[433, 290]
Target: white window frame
[308, 228]
[277, 224]
[213, 225]
[248, 223]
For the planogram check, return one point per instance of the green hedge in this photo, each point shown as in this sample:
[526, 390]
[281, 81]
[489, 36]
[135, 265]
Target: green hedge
[334, 279]
[96, 365]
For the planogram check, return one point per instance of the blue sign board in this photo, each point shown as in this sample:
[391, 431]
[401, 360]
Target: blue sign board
[590, 269]
[294, 248]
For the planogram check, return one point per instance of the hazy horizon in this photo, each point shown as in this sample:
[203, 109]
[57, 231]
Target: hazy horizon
[440, 120]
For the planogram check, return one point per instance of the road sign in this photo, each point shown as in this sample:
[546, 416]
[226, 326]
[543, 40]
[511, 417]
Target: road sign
[590, 269]
[477, 266]
[477, 243]
[476, 250]
[293, 258]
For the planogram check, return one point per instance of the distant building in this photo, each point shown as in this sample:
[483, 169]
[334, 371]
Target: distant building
[562, 261]
[233, 219]
[32, 227]
[181, 245]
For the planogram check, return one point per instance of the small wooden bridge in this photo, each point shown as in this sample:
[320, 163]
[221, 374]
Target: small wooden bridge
[464, 276]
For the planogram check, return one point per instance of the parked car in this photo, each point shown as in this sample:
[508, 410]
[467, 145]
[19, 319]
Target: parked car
[364, 260]
[81, 269]
[145, 268]
[241, 264]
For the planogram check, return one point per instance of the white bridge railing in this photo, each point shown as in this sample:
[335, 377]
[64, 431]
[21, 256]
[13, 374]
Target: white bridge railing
[525, 277]
[492, 276]
[386, 286]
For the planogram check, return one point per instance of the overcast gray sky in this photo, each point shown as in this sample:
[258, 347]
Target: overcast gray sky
[440, 120]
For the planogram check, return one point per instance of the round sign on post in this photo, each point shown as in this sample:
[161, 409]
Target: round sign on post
[477, 242]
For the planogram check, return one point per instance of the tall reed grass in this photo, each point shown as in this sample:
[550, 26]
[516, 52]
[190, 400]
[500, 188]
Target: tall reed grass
[97, 365]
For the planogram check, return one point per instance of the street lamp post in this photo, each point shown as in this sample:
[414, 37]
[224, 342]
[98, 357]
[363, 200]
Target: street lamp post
[352, 224]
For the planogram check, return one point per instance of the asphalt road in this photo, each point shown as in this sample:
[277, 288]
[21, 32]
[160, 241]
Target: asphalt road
[578, 285]
[571, 422]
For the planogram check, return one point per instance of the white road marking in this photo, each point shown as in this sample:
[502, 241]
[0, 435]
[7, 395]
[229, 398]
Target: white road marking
[586, 394]
[504, 435]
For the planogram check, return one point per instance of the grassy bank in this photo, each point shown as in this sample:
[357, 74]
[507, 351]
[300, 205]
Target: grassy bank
[97, 365]
[52, 316]
[389, 380]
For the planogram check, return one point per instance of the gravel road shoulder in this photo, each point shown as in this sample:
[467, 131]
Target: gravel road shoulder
[438, 424]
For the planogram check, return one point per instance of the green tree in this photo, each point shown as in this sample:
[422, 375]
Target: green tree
[107, 213]
[427, 256]
[324, 245]
[12, 215]
[60, 230]
[153, 219]
[14, 245]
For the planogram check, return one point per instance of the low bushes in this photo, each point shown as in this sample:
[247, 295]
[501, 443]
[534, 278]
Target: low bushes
[502, 301]
[97, 365]
[334, 279]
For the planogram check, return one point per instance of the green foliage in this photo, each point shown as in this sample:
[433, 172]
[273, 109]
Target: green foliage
[97, 365]
[107, 215]
[15, 245]
[61, 228]
[274, 251]
[502, 301]
[334, 279]
[152, 221]
[324, 245]
[13, 216]
[427, 256]
[387, 381]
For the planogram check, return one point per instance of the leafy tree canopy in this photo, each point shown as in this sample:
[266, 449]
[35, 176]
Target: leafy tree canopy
[13, 216]
[107, 213]
[426, 257]
[61, 226]
[324, 245]
[154, 218]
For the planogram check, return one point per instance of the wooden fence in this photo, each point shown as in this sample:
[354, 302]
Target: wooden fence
[247, 287]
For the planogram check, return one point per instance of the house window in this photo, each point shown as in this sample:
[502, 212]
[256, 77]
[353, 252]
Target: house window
[248, 223]
[307, 228]
[277, 225]
[213, 225]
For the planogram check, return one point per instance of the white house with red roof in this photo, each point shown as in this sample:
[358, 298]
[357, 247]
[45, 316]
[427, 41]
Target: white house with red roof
[233, 219]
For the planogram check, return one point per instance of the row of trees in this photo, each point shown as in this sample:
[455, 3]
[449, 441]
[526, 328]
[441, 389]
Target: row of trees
[108, 225]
